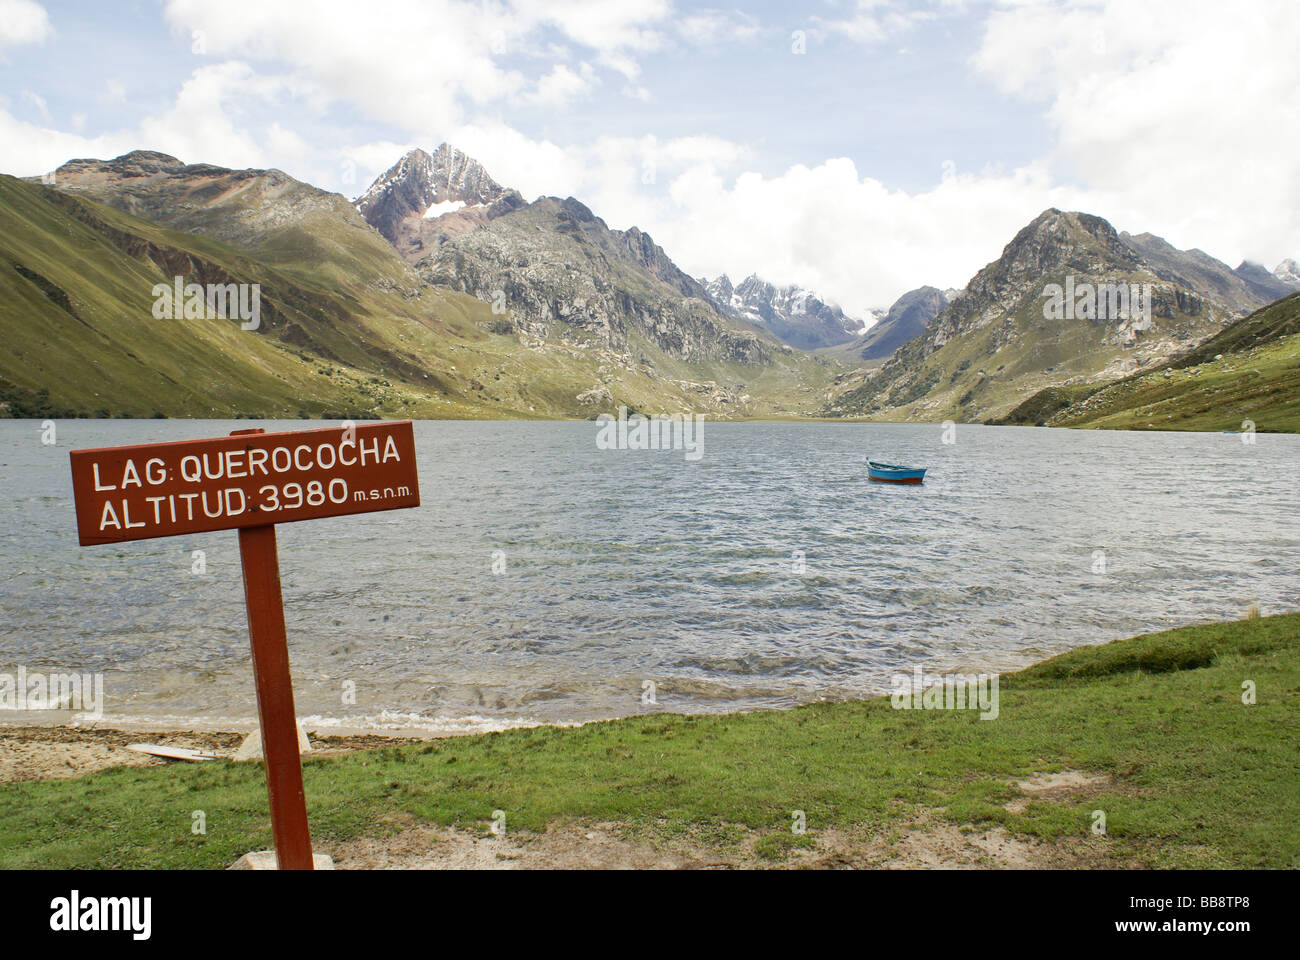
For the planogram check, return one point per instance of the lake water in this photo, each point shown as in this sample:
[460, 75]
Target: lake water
[770, 572]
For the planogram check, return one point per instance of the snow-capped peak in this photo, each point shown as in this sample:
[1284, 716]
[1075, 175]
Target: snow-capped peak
[446, 176]
[1288, 271]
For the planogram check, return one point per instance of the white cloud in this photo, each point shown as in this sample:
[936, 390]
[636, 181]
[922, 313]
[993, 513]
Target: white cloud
[1177, 116]
[208, 122]
[828, 228]
[38, 104]
[28, 149]
[429, 64]
[873, 21]
[563, 85]
[23, 22]
[849, 237]
[712, 28]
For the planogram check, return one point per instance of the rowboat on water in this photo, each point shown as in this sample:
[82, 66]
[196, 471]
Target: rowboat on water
[893, 473]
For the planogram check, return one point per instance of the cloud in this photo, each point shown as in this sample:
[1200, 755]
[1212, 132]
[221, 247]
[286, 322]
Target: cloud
[421, 64]
[38, 104]
[28, 149]
[874, 21]
[1174, 117]
[23, 22]
[216, 117]
[563, 85]
[826, 227]
[1178, 116]
[846, 236]
[714, 28]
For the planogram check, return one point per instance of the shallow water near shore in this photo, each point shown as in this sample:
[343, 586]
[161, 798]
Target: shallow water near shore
[545, 580]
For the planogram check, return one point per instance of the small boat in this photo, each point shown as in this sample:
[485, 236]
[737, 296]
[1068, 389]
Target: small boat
[893, 473]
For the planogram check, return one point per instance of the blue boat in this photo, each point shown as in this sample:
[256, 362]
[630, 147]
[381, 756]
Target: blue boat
[893, 473]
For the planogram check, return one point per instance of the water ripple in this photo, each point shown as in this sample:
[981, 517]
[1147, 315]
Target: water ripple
[768, 573]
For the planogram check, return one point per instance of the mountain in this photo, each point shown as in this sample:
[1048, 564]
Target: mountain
[557, 271]
[1009, 334]
[266, 213]
[1288, 271]
[1249, 371]
[77, 282]
[346, 327]
[559, 278]
[792, 314]
[424, 198]
[1263, 283]
[904, 321]
[1241, 291]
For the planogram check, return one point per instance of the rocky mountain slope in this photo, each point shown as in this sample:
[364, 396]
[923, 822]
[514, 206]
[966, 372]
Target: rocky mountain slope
[77, 312]
[1242, 290]
[556, 270]
[1264, 283]
[346, 324]
[904, 321]
[999, 343]
[555, 273]
[792, 314]
[425, 198]
[1248, 373]
[442, 293]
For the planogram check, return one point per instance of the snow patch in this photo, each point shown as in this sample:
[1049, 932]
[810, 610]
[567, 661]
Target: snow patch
[446, 206]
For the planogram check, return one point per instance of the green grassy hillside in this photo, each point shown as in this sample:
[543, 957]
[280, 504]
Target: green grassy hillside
[1248, 371]
[346, 330]
[997, 344]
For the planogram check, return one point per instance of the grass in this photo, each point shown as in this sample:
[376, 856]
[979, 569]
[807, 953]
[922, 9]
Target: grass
[1248, 371]
[347, 331]
[1000, 349]
[1195, 777]
[1261, 384]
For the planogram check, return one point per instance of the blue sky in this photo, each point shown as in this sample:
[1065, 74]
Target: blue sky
[905, 145]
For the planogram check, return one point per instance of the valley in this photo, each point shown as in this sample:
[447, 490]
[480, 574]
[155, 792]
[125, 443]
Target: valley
[441, 293]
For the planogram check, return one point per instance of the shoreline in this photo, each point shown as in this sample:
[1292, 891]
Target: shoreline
[1135, 729]
[1132, 428]
[65, 746]
[40, 752]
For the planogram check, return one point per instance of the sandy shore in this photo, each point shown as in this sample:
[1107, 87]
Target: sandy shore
[56, 752]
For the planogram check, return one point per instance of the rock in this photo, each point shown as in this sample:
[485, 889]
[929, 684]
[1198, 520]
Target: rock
[251, 748]
[265, 860]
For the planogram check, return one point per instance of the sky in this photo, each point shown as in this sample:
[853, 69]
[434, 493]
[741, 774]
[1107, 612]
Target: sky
[859, 149]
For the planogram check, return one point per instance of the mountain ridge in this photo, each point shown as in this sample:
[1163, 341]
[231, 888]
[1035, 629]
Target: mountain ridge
[994, 344]
[793, 314]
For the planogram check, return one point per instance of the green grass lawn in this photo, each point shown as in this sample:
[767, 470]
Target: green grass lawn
[1196, 778]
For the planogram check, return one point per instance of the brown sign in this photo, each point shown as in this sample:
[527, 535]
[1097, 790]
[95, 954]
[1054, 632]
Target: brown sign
[251, 480]
[244, 480]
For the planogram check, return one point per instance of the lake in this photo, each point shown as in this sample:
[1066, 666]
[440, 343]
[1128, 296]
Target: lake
[546, 580]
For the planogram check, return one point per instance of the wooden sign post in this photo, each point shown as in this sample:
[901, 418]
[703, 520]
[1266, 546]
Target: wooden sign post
[251, 481]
